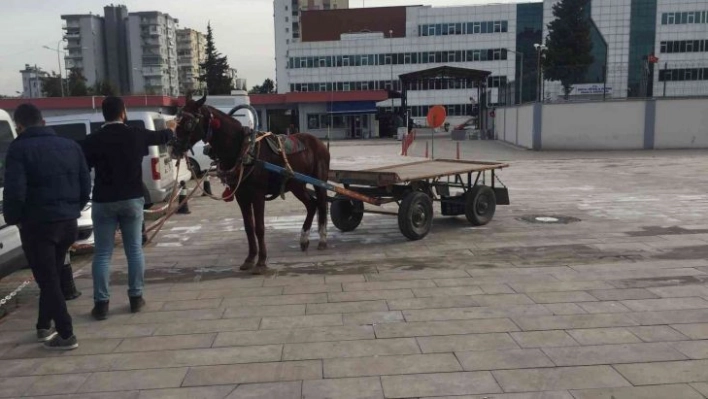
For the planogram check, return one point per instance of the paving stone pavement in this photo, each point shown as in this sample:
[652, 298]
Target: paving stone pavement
[614, 305]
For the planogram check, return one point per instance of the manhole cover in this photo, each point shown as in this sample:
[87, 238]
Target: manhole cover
[548, 219]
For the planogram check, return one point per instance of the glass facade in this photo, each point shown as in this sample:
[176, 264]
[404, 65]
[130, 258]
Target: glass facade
[684, 46]
[596, 71]
[642, 39]
[463, 28]
[427, 57]
[437, 84]
[683, 74]
[529, 30]
[682, 18]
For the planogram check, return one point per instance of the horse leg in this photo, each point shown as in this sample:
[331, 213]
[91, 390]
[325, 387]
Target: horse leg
[300, 192]
[322, 217]
[247, 211]
[259, 216]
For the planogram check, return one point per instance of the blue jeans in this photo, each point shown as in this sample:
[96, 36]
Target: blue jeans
[107, 217]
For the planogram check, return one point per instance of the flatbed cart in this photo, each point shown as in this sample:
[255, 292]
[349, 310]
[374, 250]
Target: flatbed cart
[414, 187]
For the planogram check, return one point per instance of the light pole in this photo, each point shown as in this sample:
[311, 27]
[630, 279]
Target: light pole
[61, 82]
[521, 75]
[539, 50]
[393, 119]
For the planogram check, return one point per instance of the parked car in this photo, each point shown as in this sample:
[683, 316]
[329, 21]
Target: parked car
[11, 256]
[159, 169]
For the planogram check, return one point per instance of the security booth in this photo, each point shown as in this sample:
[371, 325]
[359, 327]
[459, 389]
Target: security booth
[448, 77]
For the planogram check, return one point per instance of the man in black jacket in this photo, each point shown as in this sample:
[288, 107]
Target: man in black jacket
[116, 153]
[47, 184]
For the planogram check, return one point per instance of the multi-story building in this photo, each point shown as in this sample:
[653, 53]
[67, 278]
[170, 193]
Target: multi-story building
[32, 81]
[116, 34]
[640, 48]
[287, 27]
[191, 46]
[152, 40]
[85, 46]
[135, 52]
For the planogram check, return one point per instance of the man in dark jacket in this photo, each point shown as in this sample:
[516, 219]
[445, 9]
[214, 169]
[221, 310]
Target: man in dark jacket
[116, 153]
[47, 184]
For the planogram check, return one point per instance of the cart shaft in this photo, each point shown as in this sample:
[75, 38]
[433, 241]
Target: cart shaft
[322, 184]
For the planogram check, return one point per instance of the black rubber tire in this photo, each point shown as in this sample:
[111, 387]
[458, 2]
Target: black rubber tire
[415, 215]
[480, 205]
[346, 214]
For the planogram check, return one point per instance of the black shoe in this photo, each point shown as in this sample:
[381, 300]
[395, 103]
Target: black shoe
[100, 310]
[60, 344]
[68, 287]
[44, 335]
[136, 303]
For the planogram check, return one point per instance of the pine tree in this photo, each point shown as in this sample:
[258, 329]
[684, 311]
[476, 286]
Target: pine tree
[216, 69]
[267, 87]
[568, 58]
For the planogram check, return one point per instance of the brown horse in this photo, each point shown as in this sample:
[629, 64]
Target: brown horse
[239, 152]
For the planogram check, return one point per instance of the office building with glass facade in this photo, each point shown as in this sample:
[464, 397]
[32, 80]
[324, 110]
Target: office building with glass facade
[640, 48]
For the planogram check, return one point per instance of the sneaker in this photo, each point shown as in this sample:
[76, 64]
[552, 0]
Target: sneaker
[100, 310]
[44, 335]
[60, 344]
[136, 303]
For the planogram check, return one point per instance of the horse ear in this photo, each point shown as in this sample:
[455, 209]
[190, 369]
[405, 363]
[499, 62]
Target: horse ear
[202, 100]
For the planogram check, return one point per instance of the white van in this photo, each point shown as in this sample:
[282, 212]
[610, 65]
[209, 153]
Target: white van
[11, 256]
[159, 170]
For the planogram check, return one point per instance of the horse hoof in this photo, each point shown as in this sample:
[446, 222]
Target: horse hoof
[247, 266]
[259, 270]
[321, 246]
[304, 246]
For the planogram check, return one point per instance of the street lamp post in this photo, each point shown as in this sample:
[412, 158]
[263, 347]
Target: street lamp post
[61, 82]
[521, 75]
[539, 49]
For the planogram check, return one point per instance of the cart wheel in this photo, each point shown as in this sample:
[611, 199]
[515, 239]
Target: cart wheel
[346, 213]
[480, 205]
[415, 216]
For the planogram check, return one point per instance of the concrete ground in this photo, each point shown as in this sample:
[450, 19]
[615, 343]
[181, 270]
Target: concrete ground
[612, 303]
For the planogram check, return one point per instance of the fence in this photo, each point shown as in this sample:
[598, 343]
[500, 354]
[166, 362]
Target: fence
[664, 123]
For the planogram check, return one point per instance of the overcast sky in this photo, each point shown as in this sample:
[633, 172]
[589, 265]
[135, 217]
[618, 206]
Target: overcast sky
[243, 30]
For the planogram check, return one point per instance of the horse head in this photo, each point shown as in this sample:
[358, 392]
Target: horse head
[192, 125]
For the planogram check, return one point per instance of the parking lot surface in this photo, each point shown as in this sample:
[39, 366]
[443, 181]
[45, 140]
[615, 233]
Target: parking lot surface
[604, 296]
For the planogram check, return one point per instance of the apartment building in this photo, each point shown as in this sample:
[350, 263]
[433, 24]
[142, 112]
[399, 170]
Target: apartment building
[191, 46]
[136, 52]
[152, 43]
[85, 46]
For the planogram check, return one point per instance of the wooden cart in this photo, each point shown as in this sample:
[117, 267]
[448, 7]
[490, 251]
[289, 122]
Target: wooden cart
[414, 187]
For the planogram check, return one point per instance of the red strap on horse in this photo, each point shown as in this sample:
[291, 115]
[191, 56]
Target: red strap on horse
[227, 195]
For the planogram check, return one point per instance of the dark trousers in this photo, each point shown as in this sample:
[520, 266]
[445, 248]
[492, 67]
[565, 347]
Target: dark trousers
[45, 246]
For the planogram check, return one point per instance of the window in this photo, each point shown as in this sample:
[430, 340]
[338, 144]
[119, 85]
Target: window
[345, 60]
[477, 27]
[322, 62]
[345, 86]
[364, 60]
[303, 62]
[431, 30]
[689, 46]
[691, 18]
[313, 121]
[497, 26]
[407, 58]
[670, 19]
[74, 131]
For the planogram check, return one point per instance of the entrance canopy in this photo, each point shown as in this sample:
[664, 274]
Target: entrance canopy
[445, 72]
[412, 81]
